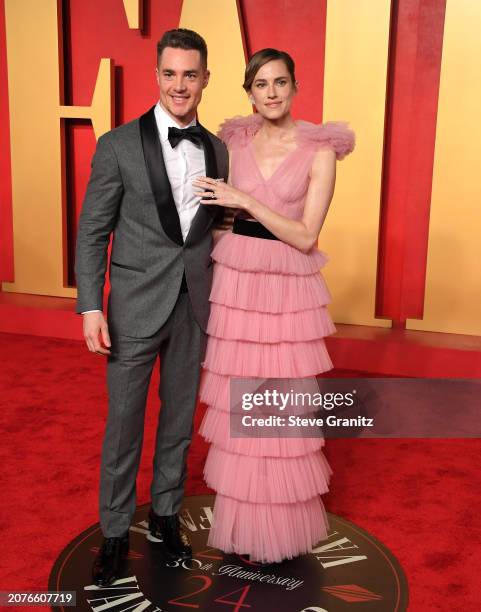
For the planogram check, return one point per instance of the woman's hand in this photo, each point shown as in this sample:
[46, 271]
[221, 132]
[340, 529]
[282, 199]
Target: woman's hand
[220, 193]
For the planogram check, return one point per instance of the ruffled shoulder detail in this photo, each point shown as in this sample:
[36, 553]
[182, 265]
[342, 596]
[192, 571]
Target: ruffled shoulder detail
[237, 131]
[334, 134]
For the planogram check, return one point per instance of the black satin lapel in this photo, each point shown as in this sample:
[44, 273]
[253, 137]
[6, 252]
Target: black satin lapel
[209, 153]
[205, 213]
[159, 180]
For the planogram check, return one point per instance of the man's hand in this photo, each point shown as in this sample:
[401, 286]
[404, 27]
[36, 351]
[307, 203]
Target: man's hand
[96, 329]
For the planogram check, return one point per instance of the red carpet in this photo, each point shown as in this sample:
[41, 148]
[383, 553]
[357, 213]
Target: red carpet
[419, 497]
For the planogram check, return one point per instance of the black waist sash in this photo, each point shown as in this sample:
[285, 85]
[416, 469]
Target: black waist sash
[252, 228]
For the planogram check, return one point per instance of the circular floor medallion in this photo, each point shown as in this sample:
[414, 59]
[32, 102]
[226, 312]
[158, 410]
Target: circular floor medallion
[350, 571]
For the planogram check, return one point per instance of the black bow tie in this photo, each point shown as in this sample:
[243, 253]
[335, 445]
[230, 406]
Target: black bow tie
[192, 133]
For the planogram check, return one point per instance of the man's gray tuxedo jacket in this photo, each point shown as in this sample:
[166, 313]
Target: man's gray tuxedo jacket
[129, 194]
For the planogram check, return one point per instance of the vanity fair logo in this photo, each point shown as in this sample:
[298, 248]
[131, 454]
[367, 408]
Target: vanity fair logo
[347, 568]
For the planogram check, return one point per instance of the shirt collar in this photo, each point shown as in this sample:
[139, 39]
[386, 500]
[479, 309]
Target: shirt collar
[164, 121]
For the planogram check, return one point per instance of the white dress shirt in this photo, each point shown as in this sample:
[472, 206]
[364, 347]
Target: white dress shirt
[183, 164]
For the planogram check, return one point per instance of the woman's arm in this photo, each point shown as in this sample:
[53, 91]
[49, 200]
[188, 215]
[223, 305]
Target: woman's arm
[301, 234]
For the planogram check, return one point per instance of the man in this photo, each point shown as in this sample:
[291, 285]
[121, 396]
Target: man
[141, 190]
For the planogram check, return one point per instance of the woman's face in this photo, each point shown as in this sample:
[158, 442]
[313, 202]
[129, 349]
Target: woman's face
[272, 90]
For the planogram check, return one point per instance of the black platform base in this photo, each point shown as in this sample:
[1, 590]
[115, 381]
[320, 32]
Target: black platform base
[351, 570]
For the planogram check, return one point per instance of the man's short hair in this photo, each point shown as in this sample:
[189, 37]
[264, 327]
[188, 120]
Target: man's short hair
[181, 38]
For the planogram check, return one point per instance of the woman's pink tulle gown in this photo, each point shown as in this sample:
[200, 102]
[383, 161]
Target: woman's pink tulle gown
[268, 319]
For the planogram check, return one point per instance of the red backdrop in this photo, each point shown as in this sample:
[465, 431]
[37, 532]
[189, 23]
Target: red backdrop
[299, 28]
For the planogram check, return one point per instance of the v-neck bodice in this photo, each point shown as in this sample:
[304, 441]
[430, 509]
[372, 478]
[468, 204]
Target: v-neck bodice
[279, 167]
[285, 190]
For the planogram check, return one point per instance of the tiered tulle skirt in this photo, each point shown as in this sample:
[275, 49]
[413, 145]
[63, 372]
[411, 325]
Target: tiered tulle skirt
[268, 320]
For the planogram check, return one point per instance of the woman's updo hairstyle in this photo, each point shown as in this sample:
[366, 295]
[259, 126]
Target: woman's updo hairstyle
[262, 57]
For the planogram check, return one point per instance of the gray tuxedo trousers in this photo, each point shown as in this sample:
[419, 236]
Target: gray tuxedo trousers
[129, 198]
[180, 345]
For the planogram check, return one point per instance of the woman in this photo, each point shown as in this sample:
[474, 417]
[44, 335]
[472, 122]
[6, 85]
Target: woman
[268, 314]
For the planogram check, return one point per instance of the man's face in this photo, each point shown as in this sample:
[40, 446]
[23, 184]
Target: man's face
[181, 78]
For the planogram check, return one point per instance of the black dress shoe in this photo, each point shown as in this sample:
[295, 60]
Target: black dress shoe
[168, 529]
[109, 560]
